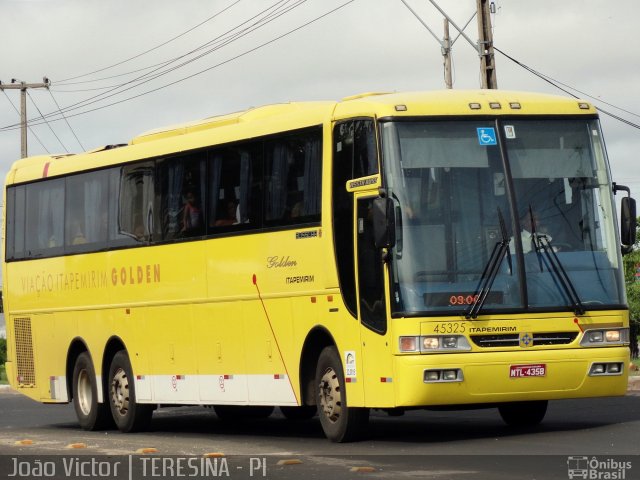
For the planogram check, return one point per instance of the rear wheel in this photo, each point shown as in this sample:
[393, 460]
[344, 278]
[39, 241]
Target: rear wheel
[91, 414]
[340, 422]
[241, 412]
[304, 412]
[128, 415]
[523, 414]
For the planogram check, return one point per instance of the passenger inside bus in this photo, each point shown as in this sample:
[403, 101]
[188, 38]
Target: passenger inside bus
[231, 215]
[191, 216]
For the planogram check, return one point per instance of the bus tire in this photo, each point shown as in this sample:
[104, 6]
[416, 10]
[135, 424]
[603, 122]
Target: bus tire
[304, 412]
[523, 414]
[340, 422]
[241, 412]
[128, 415]
[91, 414]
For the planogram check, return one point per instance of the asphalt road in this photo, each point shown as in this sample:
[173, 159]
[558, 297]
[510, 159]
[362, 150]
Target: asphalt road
[421, 444]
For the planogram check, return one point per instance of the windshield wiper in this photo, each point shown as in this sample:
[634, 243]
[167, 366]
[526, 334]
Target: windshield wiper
[490, 271]
[542, 242]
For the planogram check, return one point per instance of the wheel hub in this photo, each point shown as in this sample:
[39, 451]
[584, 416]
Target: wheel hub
[85, 395]
[330, 395]
[120, 391]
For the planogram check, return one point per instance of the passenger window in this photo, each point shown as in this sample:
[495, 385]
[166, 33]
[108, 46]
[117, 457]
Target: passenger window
[15, 222]
[234, 188]
[45, 219]
[180, 193]
[136, 215]
[87, 212]
[293, 171]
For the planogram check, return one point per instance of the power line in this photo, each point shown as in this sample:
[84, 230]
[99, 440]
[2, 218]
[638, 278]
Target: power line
[246, 52]
[557, 84]
[45, 120]
[65, 119]
[142, 80]
[153, 48]
[30, 129]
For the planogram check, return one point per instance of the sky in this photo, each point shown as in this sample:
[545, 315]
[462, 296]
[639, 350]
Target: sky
[364, 45]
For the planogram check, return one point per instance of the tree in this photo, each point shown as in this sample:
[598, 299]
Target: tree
[631, 265]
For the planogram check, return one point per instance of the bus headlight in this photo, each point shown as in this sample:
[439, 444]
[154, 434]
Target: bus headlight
[434, 344]
[605, 338]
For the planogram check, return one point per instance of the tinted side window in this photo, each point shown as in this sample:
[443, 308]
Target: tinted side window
[235, 188]
[354, 156]
[16, 198]
[45, 219]
[180, 191]
[136, 215]
[293, 178]
[87, 212]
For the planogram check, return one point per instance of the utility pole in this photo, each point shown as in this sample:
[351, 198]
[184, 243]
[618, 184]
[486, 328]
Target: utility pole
[446, 53]
[485, 45]
[23, 86]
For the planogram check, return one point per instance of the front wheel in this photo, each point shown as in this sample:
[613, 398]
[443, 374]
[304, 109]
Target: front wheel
[91, 414]
[523, 414]
[128, 415]
[340, 422]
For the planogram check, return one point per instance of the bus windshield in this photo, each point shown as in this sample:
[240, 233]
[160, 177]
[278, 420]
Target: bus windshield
[461, 188]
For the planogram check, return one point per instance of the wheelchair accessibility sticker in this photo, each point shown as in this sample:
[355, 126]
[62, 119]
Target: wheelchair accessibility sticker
[487, 136]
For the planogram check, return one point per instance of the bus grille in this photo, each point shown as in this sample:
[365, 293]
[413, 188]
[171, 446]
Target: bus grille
[24, 351]
[513, 340]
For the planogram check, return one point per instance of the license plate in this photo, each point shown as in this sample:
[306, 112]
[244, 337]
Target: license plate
[521, 371]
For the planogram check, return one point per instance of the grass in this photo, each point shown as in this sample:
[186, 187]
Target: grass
[3, 376]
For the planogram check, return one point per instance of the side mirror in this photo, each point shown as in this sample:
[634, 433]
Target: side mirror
[627, 224]
[384, 223]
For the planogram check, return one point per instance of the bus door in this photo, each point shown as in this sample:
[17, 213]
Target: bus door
[372, 310]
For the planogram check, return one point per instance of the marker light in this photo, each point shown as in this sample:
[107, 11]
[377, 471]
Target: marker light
[475, 106]
[408, 344]
[515, 105]
[612, 335]
[401, 108]
[495, 106]
[584, 106]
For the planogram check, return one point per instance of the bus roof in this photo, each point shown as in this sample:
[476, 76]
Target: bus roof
[270, 119]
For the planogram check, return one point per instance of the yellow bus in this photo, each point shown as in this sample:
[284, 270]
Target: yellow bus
[387, 251]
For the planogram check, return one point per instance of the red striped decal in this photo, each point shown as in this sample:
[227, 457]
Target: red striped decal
[45, 170]
[179, 377]
[228, 377]
[139, 377]
[52, 378]
[386, 379]
[350, 380]
[279, 376]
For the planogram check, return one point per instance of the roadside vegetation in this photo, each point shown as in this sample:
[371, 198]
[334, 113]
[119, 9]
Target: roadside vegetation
[3, 358]
[631, 266]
